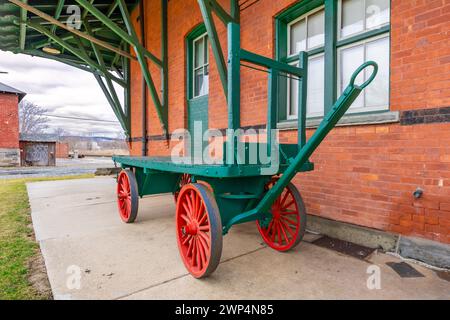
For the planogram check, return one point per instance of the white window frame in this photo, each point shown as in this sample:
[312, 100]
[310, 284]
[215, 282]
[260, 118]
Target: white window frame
[293, 117]
[289, 26]
[205, 63]
[289, 55]
[365, 29]
[339, 66]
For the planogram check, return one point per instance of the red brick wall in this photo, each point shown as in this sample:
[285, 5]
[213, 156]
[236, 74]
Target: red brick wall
[62, 150]
[9, 121]
[364, 175]
[420, 54]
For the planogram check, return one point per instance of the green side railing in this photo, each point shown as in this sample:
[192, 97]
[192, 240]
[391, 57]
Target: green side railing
[329, 122]
[275, 69]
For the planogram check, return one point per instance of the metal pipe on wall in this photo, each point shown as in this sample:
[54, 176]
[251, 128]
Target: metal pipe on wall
[144, 84]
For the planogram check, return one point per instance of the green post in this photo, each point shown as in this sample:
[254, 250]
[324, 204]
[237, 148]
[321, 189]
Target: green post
[234, 76]
[302, 99]
[234, 85]
[272, 114]
[165, 61]
[330, 53]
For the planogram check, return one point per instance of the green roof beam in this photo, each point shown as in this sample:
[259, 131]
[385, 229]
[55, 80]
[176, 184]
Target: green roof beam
[143, 64]
[220, 12]
[58, 11]
[133, 41]
[23, 27]
[115, 99]
[73, 50]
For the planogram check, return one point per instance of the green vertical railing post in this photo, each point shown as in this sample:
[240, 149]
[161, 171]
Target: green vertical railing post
[234, 76]
[234, 84]
[302, 99]
[235, 11]
[272, 114]
[165, 62]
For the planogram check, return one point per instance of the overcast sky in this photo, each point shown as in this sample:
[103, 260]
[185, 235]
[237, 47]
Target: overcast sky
[63, 90]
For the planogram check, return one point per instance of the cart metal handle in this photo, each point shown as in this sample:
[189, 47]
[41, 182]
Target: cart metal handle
[361, 69]
[329, 122]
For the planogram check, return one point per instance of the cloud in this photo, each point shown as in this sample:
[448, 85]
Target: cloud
[63, 90]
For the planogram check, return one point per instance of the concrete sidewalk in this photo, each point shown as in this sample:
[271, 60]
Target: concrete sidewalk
[78, 228]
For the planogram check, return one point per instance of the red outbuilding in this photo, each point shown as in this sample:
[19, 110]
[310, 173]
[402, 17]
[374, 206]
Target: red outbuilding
[9, 125]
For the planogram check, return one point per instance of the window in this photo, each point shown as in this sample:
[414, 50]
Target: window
[200, 66]
[376, 96]
[359, 17]
[359, 31]
[307, 33]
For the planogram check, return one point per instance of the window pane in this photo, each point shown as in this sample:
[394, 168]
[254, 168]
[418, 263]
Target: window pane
[377, 94]
[316, 73]
[293, 98]
[198, 82]
[316, 29]
[198, 53]
[315, 103]
[377, 13]
[351, 59]
[352, 17]
[205, 80]
[298, 37]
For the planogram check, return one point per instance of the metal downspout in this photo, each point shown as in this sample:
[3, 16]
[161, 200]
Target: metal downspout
[144, 84]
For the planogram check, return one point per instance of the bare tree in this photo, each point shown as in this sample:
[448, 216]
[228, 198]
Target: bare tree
[32, 118]
[60, 133]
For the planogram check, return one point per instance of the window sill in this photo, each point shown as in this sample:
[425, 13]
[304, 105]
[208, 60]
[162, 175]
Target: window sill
[349, 120]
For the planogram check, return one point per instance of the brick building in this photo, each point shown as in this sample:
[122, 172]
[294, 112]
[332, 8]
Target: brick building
[386, 166]
[9, 125]
[395, 139]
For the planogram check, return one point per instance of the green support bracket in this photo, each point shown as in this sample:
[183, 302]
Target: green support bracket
[133, 41]
[143, 63]
[23, 27]
[115, 105]
[66, 60]
[127, 91]
[221, 13]
[58, 11]
[235, 11]
[85, 58]
[111, 102]
[215, 43]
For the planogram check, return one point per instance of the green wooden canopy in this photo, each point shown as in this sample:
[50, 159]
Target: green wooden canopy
[92, 35]
[98, 36]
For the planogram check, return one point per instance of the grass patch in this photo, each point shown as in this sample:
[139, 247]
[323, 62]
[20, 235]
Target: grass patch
[17, 244]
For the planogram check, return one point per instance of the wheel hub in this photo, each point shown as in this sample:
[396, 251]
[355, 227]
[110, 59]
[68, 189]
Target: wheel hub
[191, 229]
[276, 213]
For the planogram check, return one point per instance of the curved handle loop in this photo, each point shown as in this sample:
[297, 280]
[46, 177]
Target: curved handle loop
[360, 69]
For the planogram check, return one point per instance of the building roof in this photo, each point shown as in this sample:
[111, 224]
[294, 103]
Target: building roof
[18, 36]
[7, 89]
[43, 137]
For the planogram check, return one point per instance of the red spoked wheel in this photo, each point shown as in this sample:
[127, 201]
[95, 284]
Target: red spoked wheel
[198, 230]
[287, 226]
[185, 179]
[127, 196]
